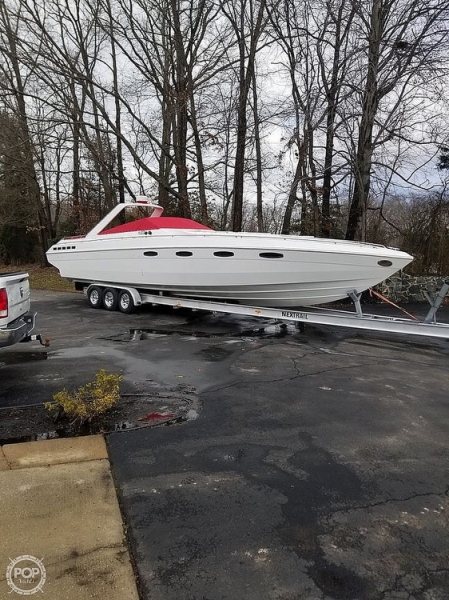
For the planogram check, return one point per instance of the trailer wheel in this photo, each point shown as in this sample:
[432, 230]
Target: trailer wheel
[125, 302]
[95, 297]
[110, 299]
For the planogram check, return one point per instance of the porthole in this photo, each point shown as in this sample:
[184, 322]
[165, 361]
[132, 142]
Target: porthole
[150, 253]
[184, 253]
[223, 253]
[384, 263]
[271, 255]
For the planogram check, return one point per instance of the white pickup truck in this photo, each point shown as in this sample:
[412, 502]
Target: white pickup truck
[16, 320]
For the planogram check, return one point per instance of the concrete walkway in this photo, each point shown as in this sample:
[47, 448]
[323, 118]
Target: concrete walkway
[58, 505]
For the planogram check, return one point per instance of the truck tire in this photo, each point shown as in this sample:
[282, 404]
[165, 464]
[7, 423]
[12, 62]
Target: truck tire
[125, 302]
[110, 299]
[95, 296]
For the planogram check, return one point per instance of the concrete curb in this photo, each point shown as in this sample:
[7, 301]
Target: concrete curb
[59, 505]
[54, 452]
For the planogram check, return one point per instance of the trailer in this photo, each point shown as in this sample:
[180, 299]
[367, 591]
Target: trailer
[126, 299]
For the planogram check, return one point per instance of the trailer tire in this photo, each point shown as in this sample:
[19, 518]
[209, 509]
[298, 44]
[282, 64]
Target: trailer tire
[110, 299]
[125, 302]
[95, 297]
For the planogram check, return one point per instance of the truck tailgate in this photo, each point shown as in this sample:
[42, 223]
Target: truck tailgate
[18, 293]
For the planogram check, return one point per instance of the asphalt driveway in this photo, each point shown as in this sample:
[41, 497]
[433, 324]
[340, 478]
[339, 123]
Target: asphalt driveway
[317, 467]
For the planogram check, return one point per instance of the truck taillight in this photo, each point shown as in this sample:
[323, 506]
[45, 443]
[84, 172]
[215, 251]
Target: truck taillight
[3, 303]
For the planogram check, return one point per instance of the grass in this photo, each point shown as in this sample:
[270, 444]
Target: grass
[41, 278]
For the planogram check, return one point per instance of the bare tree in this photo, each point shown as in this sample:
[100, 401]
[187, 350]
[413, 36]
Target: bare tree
[404, 42]
[294, 27]
[172, 47]
[248, 19]
[333, 48]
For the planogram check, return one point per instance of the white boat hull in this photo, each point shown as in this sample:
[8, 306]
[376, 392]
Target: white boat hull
[297, 271]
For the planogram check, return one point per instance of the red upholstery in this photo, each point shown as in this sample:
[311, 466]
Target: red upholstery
[149, 223]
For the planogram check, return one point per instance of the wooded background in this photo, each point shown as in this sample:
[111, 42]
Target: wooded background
[319, 117]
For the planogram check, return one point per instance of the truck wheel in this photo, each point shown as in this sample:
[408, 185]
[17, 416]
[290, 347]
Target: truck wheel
[110, 299]
[125, 302]
[95, 297]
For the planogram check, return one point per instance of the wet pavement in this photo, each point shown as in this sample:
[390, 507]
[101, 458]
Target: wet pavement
[316, 467]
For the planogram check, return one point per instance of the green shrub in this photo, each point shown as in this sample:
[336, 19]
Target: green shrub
[88, 401]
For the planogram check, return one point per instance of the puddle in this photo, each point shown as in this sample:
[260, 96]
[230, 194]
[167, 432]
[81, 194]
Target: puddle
[11, 358]
[272, 330]
[216, 353]
[212, 327]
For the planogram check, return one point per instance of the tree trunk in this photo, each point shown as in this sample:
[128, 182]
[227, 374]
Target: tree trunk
[76, 212]
[180, 122]
[118, 117]
[239, 168]
[363, 160]
[246, 72]
[332, 95]
[312, 181]
[292, 197]
[259, 192]
[199, 160]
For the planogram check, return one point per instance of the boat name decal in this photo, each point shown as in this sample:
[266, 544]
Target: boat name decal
[294, 315]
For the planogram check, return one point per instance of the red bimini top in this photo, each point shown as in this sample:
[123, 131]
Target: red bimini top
[149, 223]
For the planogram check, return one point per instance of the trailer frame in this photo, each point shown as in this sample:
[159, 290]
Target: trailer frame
[357, 319]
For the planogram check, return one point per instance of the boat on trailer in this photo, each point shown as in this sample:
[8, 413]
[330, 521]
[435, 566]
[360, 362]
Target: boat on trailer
[180, 257]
